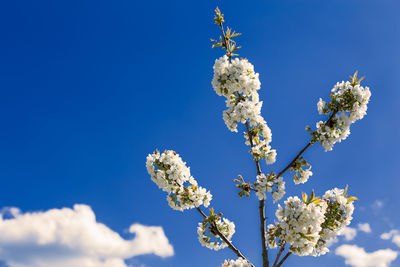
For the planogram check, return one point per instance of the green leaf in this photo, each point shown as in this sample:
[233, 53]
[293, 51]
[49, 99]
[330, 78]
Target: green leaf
[351, 199]
[304, 195]
[345, 190]
[312, 196]
[216, 45]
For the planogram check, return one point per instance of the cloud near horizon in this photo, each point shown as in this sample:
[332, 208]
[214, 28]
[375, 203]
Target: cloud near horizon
[357, 256]
[394, 235]
[72, 237]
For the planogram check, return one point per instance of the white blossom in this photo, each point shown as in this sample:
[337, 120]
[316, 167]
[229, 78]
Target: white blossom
[240, 262]
[302, 173]
[303, 176]
[301, 224]
[236, 76]
[321, 105]
[308, 224]
[349, 104]
[169, 173]
[208, 239]
[338, 215]
[271, 184]
[238, 82]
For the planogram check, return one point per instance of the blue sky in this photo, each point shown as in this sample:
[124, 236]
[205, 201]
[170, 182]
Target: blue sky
[89, 88]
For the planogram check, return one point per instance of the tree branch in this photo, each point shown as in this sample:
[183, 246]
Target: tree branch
[281, 173]
[279, 255]
[304, 149]
[221, 235]
[284, 258]
[294, 160]
[261, 208]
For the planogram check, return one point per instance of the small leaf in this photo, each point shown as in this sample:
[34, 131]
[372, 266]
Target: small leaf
[317, 201]
[304, 195]
[234, 34]
[216, 45]
[312, 195]
[237, 48]
[353, 79]
[345, 190]
[351, 199]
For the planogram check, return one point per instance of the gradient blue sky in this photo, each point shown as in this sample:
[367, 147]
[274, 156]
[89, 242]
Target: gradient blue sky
[89, 88]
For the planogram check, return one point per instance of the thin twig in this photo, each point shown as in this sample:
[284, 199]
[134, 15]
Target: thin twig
[279, 255]
[284, 258]
[302, 151]
[222, 236]
[201, 212]
[251, 145]
[294, 160]
[225, 43]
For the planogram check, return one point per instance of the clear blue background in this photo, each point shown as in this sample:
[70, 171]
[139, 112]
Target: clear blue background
[89, 88]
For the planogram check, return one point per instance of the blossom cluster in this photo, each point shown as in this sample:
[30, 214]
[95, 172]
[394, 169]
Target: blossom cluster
[348, 104]
[269, 183]
[301, 174]
[237, 81]
[300, 223]
[338, 215]
[170, 173]
[240, 262]
[308, 224]
[208, 236]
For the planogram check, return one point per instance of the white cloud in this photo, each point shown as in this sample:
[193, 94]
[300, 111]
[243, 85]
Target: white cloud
[10, 212]
[357, 257]
[394, 235]
[365, 227]
[349, 233]
[378, 204]
[396, 240]
[389, 235]
[72, 237]
[331, 242]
